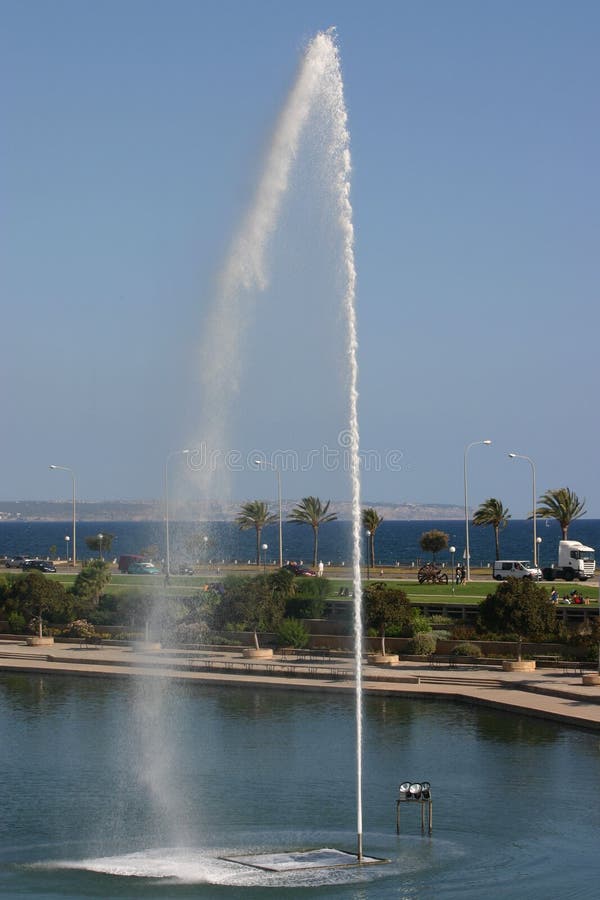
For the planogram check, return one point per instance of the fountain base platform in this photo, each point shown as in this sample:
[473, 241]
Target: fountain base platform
[294, 860]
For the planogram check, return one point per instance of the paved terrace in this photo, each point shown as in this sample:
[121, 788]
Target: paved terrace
[549, 693]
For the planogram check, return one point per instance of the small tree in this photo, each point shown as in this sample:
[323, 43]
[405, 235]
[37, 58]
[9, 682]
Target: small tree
[101, 543]
[249, 603]
[33, 595]
[433, 541]
[385, 606]
[91, 581]
[519, 607]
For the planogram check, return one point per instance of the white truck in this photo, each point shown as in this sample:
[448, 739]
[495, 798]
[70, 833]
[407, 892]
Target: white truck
[575, 560]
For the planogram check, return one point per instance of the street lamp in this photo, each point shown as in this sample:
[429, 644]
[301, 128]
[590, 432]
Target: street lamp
[534, 514]
[453, 551]
[100, 539]
[368, 534]
[277, 470]
[487, 442]
[67, 539]
[264, 548]
[169, 456]
[68, 469]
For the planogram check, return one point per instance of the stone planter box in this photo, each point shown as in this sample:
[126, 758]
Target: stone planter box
[518, 665]
[590, 678]
[261, 653]
[383, 659]
[39, 641]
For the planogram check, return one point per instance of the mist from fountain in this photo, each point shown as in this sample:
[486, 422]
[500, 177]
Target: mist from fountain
[316, 99]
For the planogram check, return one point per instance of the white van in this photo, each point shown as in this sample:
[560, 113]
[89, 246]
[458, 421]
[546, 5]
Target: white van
[515, 568]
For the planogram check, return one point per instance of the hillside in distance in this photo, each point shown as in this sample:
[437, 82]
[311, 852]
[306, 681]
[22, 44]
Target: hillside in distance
[198, 510]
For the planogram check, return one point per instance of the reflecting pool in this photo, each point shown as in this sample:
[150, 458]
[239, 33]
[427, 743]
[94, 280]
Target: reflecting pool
[124, 789]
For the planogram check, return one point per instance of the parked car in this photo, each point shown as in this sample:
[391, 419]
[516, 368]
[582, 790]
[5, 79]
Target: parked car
[42, 564]
[15, 562]
[297, 569]
[143, 568]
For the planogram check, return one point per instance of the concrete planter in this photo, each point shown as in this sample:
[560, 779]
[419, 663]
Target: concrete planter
[383, 659]
[34, 641]
[518, 665]
[590, 678]
[261, 653]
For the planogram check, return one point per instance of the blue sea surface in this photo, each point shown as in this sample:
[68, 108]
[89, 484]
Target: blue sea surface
[145, 789]
[395, 542]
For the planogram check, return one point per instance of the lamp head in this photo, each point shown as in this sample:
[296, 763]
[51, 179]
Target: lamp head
[487, 442]
[512, 455]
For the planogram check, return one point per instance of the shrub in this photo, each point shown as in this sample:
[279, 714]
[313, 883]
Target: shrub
[519, 606]
[16, 623]
[187, 633]
[292, 633]
[80, 628]
[467, 649]
[423, 644]
[304, 607]
[441, 620]
[464, 633]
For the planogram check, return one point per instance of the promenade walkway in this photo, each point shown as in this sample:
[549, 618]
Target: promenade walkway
[546, 693]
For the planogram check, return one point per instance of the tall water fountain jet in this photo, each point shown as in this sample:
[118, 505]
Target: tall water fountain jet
[318, 88]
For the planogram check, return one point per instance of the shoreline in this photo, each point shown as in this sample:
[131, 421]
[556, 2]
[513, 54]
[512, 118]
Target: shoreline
[546, 693]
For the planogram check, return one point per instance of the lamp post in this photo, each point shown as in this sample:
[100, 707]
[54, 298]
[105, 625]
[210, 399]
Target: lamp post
[368, 534]
[264, 548]
[453, 551]
[277, 470]
[67, 539]
[534, 513]
[538, 541]
[487, 442]
[100, 539]
[205, 542]
[166, 488]
[68, 469]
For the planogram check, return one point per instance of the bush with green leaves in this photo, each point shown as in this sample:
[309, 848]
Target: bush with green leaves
[467, 649]
[16, 623]
[292, 633]
[423, 644]
[520, 607]
[386, 607]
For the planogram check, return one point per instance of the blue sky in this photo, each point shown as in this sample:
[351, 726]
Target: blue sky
[132, 138]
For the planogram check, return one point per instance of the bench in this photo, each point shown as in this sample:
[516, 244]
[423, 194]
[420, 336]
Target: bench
[440, 659]
[93, 641]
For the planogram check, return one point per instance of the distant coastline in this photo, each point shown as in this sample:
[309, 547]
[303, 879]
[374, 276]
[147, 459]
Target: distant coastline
[200, 510]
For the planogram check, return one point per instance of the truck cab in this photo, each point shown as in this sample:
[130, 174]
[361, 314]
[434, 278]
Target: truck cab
[577, 560]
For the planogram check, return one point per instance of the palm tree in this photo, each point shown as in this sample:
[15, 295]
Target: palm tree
[310, 511]
[371, 521]
[255, 514]
[563, 505]
[492, 512]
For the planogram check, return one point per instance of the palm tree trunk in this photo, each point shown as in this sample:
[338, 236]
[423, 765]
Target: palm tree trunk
[372, 549]
[497, 538]
[315, 544]
[258, 533]
[565, 528]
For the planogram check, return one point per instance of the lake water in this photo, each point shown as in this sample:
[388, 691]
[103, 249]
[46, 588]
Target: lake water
[130, 789]
[395, 541]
